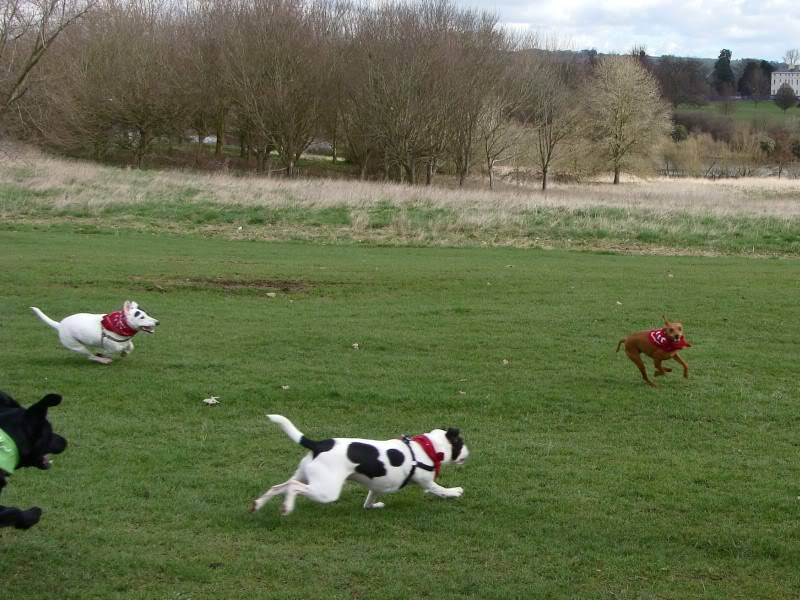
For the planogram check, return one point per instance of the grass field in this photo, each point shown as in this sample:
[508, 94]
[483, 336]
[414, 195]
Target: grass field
[582, 483]
[763, 112]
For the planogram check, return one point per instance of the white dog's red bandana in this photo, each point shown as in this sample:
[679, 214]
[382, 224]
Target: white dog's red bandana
[115, 322]
[660, 339]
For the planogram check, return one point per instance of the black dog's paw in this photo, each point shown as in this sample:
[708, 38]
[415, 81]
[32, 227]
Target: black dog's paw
[29, 518]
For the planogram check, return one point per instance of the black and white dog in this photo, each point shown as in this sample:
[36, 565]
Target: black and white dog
[26, 438]
[96, 336]
[381, 466]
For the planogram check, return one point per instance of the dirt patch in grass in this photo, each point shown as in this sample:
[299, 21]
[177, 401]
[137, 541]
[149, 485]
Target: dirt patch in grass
[286, 286]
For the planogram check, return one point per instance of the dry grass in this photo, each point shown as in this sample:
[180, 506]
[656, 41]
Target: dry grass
[653, 214]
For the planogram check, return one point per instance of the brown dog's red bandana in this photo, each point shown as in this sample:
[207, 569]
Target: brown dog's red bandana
[660, 339]
[115, 322]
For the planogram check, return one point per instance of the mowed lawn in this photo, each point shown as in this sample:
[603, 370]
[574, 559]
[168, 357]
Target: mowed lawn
[583, 482]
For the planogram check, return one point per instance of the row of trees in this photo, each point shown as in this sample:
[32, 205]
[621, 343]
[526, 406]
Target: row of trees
[404, 89]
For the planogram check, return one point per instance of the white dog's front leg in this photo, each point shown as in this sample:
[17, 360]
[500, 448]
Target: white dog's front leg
[443, 492]
[370, 501]
[127, 350]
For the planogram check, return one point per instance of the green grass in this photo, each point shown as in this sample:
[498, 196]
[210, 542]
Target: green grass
[582, 483]
[747, 111]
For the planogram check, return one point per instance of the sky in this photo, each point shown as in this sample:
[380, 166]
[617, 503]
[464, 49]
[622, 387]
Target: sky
[749, 28]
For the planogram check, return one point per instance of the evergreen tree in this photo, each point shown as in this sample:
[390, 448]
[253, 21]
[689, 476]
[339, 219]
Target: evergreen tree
[723, 78]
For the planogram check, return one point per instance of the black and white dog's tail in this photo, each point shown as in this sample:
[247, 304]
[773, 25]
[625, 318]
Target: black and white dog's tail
[293, 432]
[45, 318]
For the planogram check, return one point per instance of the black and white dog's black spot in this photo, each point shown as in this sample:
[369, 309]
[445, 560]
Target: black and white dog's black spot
[365, 456]
[456, 441]
[317, 448]
[396, 458]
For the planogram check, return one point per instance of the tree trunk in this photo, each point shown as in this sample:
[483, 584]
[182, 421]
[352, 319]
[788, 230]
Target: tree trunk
[201, 135]
[544, 179]
[411, 171]
[141, 146]
[267, 151]
[616, 174]
[463, 172]
[220, 133]
[429, 173]
[260, 161]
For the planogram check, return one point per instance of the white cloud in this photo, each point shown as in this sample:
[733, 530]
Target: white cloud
[749, 28]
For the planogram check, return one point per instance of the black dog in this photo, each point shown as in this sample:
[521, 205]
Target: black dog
[26, 438]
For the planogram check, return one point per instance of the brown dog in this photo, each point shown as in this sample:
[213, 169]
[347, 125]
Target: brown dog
[659, 344]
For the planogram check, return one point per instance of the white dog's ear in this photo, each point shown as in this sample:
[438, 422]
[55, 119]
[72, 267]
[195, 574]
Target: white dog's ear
[129, 306]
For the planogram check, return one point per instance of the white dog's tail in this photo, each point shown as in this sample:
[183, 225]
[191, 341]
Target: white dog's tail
[45, 318]
[297, 436]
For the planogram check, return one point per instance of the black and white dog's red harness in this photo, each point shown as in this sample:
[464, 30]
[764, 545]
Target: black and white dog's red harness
[427, 446]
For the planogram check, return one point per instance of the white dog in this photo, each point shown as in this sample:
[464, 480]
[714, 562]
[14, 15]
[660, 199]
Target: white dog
[95, 336]
[382, 466]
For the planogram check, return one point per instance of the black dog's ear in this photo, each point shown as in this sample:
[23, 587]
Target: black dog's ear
[40, 408]
[452, 433]
[7, 401]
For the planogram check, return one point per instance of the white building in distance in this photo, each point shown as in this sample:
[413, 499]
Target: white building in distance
[781, 77]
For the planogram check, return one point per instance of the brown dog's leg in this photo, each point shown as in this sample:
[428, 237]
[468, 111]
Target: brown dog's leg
[633, 354]
[684, 365]
[660, 370]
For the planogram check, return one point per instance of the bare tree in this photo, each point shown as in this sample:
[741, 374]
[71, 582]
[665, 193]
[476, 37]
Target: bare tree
[277, 68]
[476, 72]
[792, 58]
[779, 148]
[624, 106]
[146, 97]
[682, 80]
[113, 83]
[204, 29]
[69, 108]
[418, 79]
[499, 135]
[555, 115]
[27, 30]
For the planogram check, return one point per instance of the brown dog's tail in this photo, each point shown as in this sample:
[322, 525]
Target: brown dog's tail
[622, 341]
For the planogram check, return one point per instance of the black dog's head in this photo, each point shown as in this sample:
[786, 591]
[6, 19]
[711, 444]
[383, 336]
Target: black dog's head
[31, 431]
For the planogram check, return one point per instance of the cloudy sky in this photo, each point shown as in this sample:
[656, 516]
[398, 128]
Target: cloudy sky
[749, 28]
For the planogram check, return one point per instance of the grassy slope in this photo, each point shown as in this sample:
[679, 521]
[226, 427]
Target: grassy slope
[583, 481]
[759, 217]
